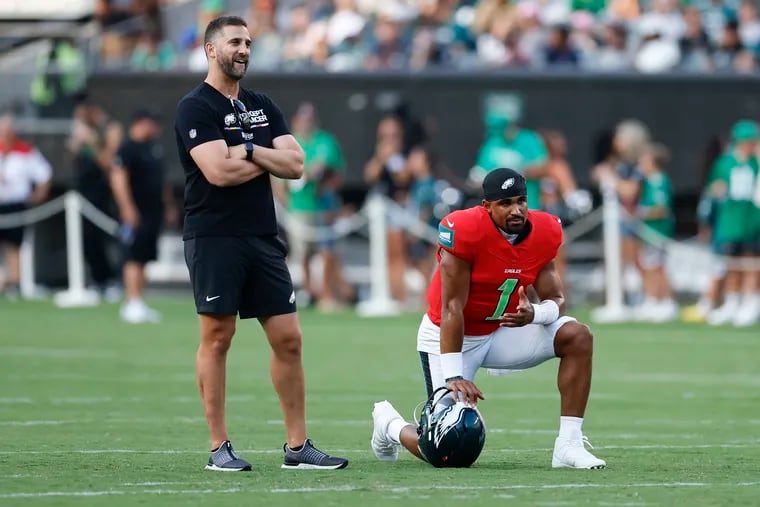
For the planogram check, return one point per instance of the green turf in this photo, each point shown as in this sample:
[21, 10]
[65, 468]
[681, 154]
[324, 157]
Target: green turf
[97, 412]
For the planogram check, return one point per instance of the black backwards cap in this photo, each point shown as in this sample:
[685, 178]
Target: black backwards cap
[503, 183]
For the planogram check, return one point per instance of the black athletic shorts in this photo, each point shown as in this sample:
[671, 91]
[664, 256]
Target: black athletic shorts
[240, 275]
[14, 235]
[143, 247]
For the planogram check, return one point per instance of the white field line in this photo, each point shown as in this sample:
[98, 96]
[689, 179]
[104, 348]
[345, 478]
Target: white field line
[15, 401]
[376, 489]
[728, 445]
[347, 422]
[680, 378]
[51, 353]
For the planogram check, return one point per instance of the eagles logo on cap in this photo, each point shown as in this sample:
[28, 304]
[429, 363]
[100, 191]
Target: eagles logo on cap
[503, 183]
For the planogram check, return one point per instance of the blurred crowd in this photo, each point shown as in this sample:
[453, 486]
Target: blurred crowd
[648, 36]
[420, 190]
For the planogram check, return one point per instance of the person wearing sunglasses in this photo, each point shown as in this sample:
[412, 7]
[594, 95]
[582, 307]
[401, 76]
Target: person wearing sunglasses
[231, 140]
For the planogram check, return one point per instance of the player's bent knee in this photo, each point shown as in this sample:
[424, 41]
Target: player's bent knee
[575, 338]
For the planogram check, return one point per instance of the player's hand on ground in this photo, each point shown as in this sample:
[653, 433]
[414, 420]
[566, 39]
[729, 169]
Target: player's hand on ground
[464, 390]
[524, 314]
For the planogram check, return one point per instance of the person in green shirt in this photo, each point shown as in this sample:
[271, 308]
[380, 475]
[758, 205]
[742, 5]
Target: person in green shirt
[655, 210]
[313, 204]
[734, 178]
[509, 145]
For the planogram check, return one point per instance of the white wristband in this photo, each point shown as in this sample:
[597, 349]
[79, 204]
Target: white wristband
[451, 364]
[546, 312]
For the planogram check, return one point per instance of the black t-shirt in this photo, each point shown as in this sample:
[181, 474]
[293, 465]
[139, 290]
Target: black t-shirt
[247, 209]
[144, 162]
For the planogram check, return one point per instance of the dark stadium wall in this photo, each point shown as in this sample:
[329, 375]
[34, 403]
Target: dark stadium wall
[683, 112]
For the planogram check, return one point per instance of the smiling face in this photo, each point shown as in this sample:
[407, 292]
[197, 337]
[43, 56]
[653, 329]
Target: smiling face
[509, 214]
[231, 50]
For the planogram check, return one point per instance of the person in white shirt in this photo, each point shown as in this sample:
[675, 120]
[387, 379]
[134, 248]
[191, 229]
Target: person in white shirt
[25, 180]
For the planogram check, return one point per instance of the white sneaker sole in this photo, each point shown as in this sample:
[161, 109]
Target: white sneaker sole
[309, 466]
[592, 467]
[215, 468]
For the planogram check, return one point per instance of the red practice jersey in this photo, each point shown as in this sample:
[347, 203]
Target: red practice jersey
[498, 267]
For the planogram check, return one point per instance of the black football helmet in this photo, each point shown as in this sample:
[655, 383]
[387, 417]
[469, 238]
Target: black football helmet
[450, 433]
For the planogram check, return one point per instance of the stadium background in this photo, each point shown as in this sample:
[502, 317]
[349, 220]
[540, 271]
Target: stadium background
[80, 403]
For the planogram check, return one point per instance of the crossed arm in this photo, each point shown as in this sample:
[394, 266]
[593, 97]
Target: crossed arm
[225, 166]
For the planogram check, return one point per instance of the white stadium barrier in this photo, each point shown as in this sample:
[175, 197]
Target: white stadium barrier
[689, 267]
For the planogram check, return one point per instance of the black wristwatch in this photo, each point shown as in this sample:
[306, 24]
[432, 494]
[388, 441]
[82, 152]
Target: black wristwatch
[249, 151]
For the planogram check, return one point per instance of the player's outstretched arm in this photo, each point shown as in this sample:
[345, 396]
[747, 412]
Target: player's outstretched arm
[220, 167]
[455, 288]
[541, 303]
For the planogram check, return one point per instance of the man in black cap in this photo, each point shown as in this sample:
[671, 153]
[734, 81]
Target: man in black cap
[496, 301]
[137, 181]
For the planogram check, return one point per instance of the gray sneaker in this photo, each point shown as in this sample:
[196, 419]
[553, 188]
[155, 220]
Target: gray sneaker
[309, 457]
[224, 459]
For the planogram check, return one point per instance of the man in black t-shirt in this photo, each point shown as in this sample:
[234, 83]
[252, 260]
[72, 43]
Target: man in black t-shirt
[230, 141]
[137, 180]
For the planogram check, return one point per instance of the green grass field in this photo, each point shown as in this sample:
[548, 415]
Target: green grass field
[96, 412]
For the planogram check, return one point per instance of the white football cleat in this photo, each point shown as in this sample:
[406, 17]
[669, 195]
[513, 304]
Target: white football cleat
[385, 449]
[573, 454]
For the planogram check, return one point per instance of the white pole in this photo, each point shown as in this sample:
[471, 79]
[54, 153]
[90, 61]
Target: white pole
[76, 295]
[26, 254]
[379, 302]
[614, 310]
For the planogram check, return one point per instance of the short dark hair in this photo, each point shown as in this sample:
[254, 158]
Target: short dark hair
[216, 25]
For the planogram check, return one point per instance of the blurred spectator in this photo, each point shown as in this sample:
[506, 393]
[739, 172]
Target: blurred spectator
[621, 170]
[583, 36]
[344, 23]
[509, 145]
[714, 15]
[25, 180]
[560, 195]
[734, 178]
[137, 181]
[749, 25]
[116, 20]
[423, 197]
[388, 49]
[558, 51]
[266, 52]
[314, 202]
[664, 19]
[614, 54]
[355, 35]
[695, 43]
[386, 172]
[152, 54]
[93, 142]
[655, 211]
[729, 46]
[61, 75]
[301, 36]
